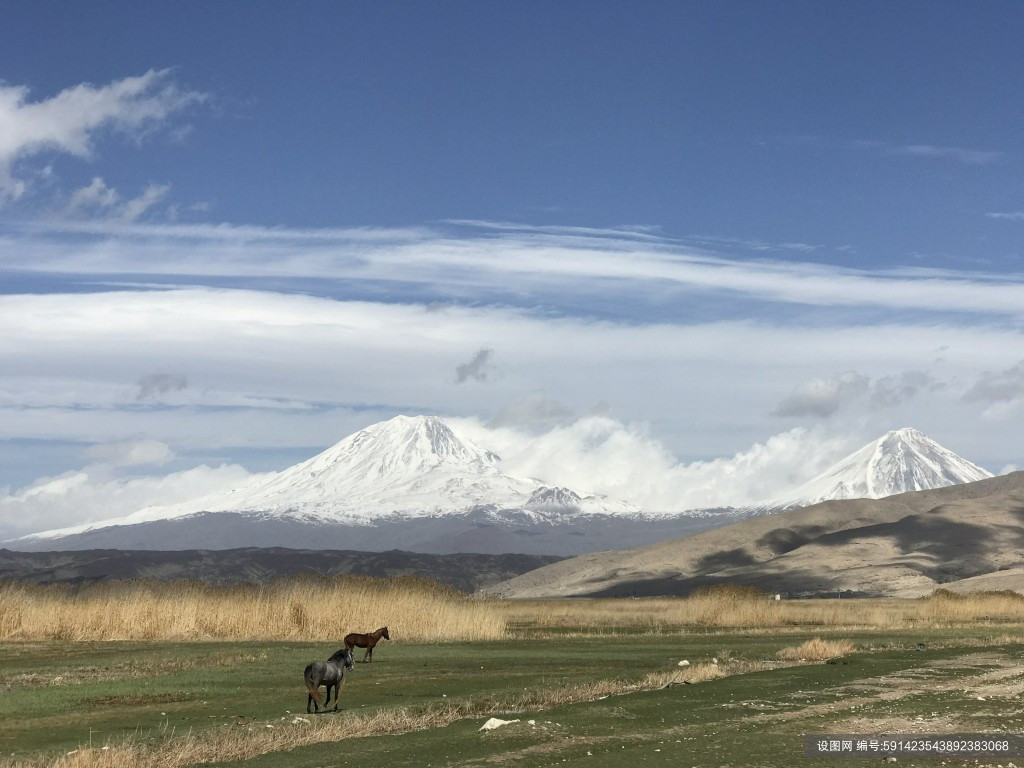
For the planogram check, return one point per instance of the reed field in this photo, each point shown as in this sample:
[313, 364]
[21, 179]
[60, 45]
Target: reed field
[422, 611]
[297, 609]
[741, 608]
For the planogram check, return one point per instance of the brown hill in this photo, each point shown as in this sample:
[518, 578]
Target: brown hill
[902, 545]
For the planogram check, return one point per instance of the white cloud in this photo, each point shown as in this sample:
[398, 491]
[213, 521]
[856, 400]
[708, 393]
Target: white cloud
[96, 493]
[602, 455]
[69, 122]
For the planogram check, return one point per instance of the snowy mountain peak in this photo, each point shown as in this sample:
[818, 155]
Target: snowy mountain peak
[400, 447]
[902, 460]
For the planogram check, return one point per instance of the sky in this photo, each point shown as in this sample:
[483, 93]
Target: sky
[687, 254]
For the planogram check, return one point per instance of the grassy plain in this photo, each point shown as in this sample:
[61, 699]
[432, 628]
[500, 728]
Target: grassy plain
[590, 674]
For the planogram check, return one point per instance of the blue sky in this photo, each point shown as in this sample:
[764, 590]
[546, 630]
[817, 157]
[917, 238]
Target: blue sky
[710, 233]
[888, 129]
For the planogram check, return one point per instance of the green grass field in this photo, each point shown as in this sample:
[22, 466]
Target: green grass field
[58, 697]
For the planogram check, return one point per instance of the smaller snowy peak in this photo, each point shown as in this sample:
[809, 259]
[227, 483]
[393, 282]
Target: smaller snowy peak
[900, 461]
[547, 499]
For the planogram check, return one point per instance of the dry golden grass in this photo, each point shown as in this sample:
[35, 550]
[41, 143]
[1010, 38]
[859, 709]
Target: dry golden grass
[816, 649]
[944, 605]
[299, 609]
[421, 611]
[751, 610]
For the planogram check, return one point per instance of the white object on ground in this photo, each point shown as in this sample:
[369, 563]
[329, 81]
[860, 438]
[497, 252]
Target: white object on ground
[495, 722]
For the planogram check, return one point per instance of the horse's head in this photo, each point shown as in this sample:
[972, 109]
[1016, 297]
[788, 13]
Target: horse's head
[343, 657]
[385, 634]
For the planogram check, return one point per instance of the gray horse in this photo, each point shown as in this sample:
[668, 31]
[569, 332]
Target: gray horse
[329, 673]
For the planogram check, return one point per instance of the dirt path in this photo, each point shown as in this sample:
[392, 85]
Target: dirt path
[968, 693]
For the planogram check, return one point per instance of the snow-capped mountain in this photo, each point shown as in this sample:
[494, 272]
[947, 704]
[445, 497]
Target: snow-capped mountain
[415, 466]
[395, 471]
[900, 461]
[413, 483]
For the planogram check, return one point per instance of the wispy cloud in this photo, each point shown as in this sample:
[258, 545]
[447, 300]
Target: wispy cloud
[822, 397]
[895, 390]
[965, 155]
[129, 453]
[460, 262]
[760, 246]
[1008, 216]
[156, 384]
[530, 410]
[98, 198]
[69, 122]
[1004, 386]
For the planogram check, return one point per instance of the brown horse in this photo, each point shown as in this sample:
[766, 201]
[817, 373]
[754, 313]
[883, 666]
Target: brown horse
[367, 641]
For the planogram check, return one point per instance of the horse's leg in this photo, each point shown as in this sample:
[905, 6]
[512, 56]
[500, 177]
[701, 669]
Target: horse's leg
[309, 700]
[335, 697]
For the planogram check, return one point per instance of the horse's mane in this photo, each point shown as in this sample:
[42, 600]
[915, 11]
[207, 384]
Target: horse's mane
[339, 655]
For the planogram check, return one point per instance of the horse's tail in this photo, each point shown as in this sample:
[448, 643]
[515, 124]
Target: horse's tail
[312, 686]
